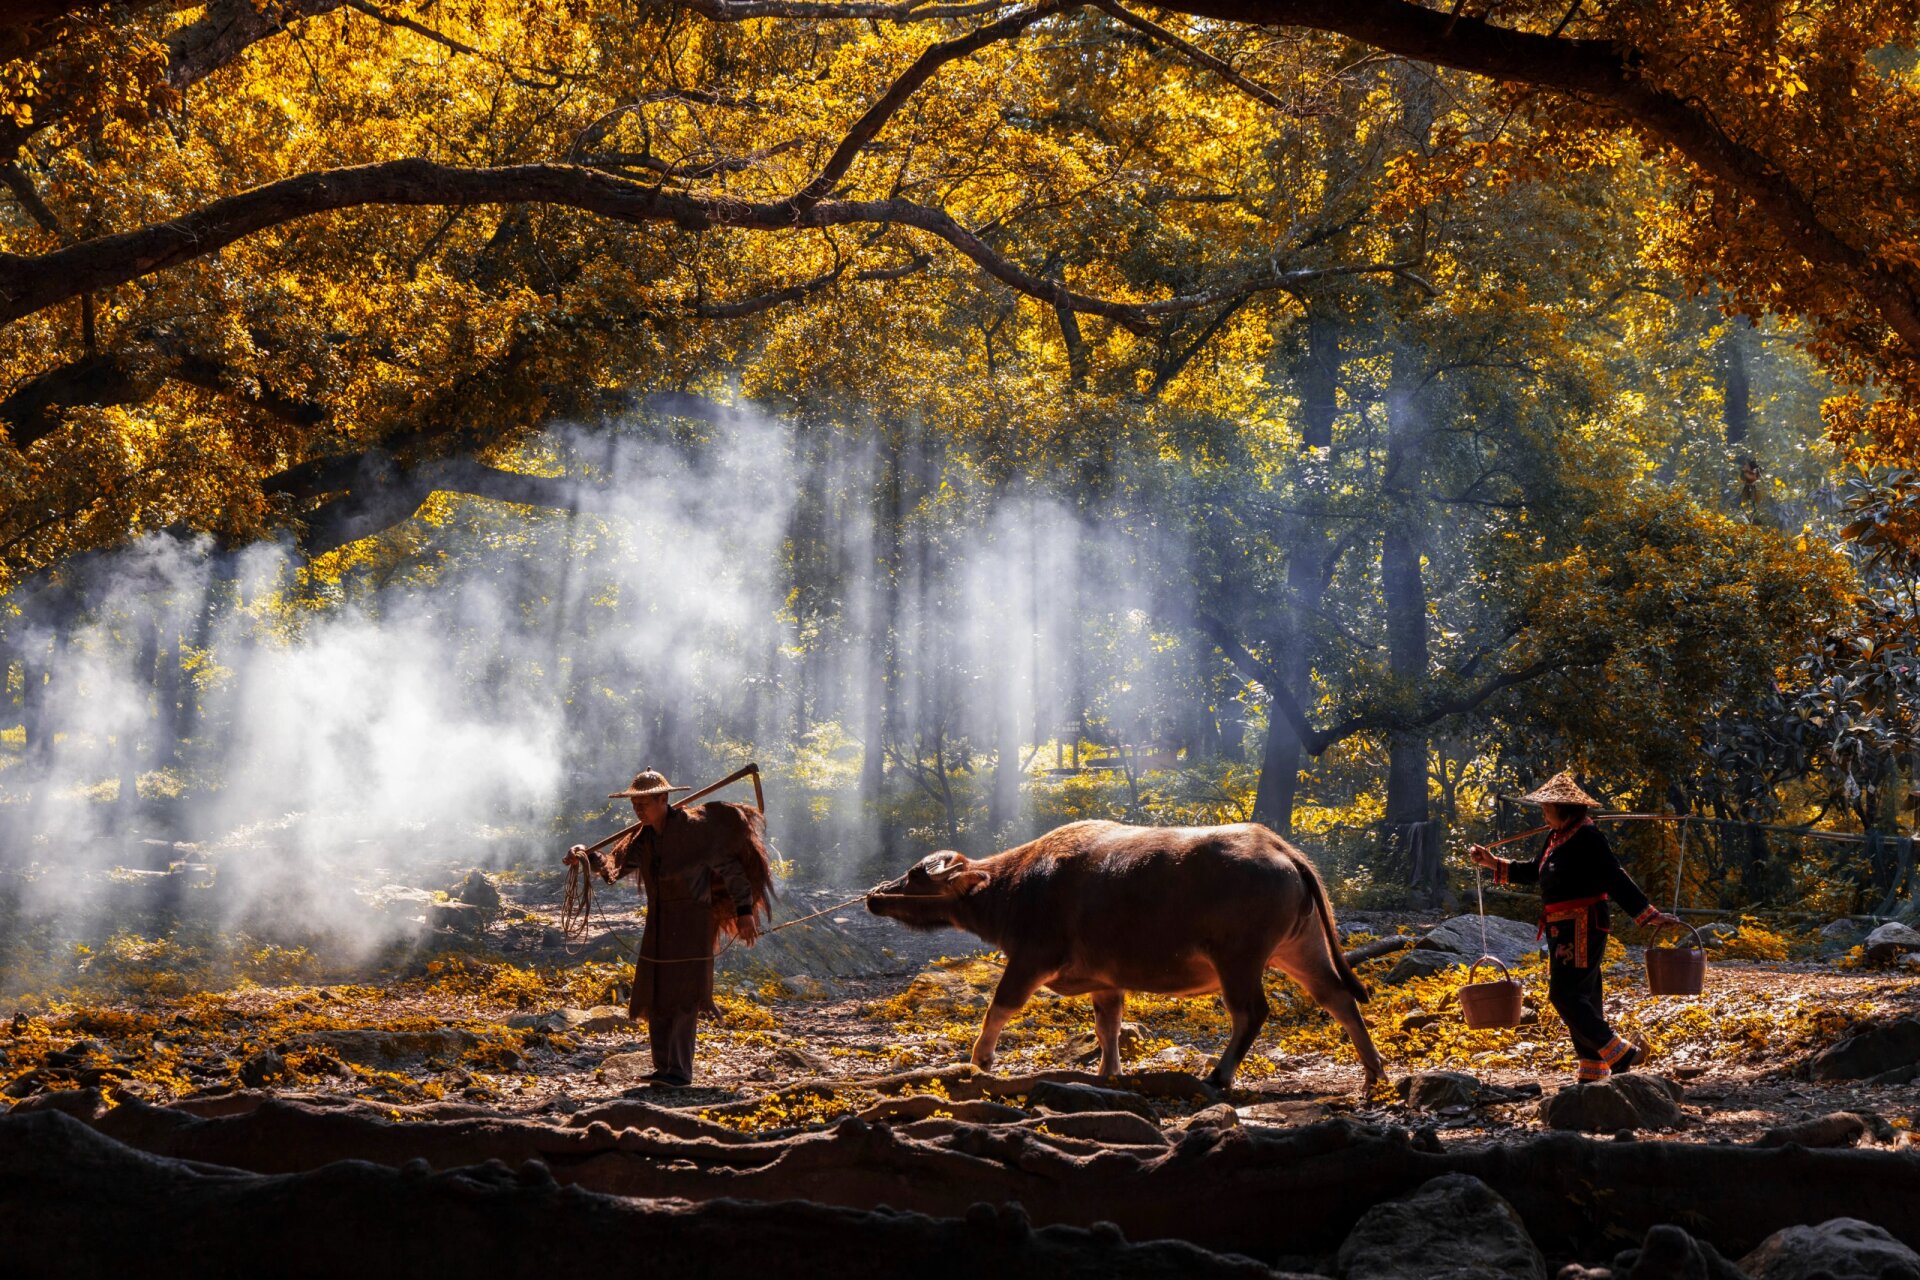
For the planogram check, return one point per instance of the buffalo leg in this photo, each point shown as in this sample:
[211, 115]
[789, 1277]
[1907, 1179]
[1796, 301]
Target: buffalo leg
[1107, 1008]
[1316, 973]
[1246, 1002]
[1017, 986]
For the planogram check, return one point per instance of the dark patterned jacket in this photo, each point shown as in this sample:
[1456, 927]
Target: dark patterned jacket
[1578, 876]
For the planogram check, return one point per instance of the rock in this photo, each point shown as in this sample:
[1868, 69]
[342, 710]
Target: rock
[478, 891]
[1869, 1050]
[946, 989]
[1840, 1129]
[603, 1019]
[400, 904]
[795, 1058]
[1890, 941]
[390, 1048]
[1718, 933]
[1105, 1126]
[1221, 1115]
[1290, 1111]
[1899, 1075]
[1624, 1102]
[461, 918]
[262, 1069]
[552, 1020]
[1055, 1095]
[1841, 936]
[1176, 1056]
[599, 1020]
[1085, 1047]
[1432, 1090]
[626, 1066]
[1510, 940]
[1840, 1249]
[1421, 964]
[1453, 1228]
[1669, 1253]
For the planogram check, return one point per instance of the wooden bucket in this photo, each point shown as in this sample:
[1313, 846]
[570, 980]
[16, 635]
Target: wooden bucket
[1676, 971]
[1490, 1004]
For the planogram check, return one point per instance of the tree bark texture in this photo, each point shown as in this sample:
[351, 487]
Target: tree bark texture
[64, 1183]
[1258, 1191]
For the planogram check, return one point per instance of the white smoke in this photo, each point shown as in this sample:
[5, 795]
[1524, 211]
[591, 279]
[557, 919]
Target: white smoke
[470, 696]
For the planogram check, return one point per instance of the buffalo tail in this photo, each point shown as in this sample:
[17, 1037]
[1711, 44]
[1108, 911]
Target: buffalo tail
[1347, 975]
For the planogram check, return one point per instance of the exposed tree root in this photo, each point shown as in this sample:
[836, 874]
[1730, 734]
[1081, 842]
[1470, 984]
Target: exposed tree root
[63, 1184]
[1255, 1191]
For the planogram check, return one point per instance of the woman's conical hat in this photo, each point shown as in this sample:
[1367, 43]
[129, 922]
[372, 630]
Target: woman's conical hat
[1560, 789]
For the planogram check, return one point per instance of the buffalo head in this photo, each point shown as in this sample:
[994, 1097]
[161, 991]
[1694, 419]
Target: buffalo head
[932, 894]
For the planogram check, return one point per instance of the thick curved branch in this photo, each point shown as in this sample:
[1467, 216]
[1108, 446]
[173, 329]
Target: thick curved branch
[1431, 711]
[743, 10]
[223, 31]
[1434, 710]
[374, 494]
[1597, 72]
[1594, 71]
[868, 126]
[30, 284]
[735, 308]
[35, 408]
[1193, 52]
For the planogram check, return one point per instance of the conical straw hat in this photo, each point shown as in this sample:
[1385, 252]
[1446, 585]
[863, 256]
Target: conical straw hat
[1560, 789]
[648, 782]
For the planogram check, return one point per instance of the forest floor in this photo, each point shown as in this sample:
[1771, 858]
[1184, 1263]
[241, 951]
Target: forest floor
[513, 1022]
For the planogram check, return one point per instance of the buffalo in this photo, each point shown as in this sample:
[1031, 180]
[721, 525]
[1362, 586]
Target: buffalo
[1101, 909]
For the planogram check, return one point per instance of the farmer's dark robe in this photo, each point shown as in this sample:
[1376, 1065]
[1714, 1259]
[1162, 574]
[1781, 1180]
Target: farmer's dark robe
[684, 869]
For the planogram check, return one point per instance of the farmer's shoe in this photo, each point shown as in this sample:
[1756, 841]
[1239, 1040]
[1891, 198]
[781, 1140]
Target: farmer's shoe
[667, 1078]
[1623, 1055]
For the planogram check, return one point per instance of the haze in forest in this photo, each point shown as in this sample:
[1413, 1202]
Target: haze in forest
[480, 701]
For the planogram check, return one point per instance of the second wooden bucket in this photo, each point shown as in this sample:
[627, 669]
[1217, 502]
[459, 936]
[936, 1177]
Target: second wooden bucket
[1495, 1003]
[1677, 971]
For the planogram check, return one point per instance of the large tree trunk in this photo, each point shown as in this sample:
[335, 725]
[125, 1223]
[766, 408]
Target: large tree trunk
[1402, 584]
[883, 596]
[1279, 785]
[1318, 379]
[1735, 352]
[1404, 588]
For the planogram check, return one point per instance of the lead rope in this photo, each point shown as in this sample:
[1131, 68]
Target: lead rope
[576, 916]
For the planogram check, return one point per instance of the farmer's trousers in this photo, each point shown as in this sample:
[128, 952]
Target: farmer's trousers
[1574, 991]
[671, 1037]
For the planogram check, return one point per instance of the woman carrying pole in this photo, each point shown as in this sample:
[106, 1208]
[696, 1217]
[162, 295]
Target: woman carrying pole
[1578, 875]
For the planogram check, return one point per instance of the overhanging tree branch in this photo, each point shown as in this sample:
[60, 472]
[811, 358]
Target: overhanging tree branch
[1186, 48]
[32, 283]
[1430, 711]
[1597, 72]
[374, 493]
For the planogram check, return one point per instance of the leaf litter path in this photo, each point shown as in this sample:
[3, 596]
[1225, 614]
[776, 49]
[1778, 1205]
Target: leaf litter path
[859, 997]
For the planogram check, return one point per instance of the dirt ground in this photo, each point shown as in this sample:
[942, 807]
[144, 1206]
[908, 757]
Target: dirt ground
[853, 996]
